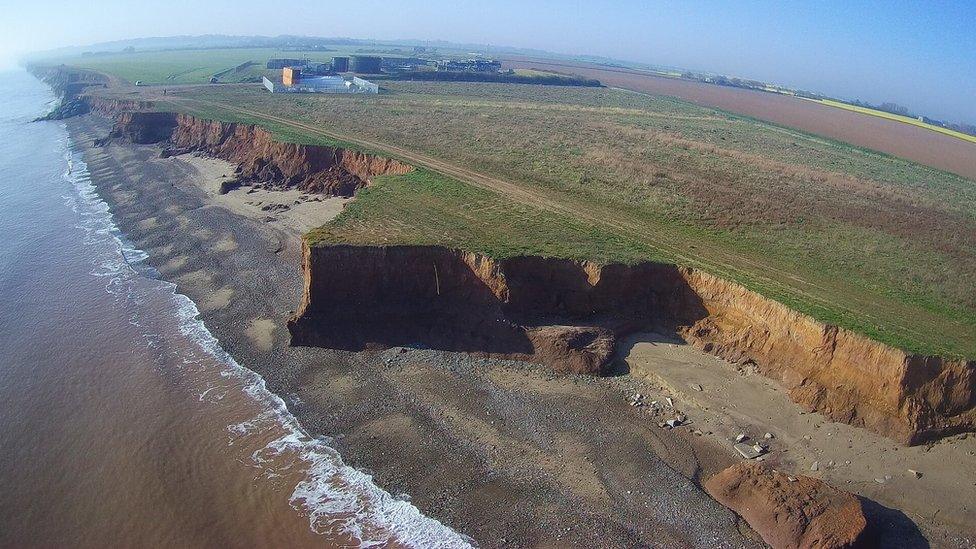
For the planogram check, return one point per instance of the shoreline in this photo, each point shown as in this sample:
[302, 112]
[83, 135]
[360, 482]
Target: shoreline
[386, 517]
[398, 413]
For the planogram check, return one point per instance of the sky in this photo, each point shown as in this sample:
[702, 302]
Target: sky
[919, 54]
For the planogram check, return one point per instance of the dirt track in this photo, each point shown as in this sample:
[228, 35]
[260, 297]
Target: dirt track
[887, 136]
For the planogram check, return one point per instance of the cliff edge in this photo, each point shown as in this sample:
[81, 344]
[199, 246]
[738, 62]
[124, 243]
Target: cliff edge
[568, 315]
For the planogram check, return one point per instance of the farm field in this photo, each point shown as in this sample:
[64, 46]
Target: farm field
[881, 134]
[864, 240]
[193, 66]
[176, 66]
[897, 117]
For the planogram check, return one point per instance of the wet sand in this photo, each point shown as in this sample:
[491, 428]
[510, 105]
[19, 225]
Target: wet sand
[504, 452]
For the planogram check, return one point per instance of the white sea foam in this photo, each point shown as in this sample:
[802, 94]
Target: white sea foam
[336, 497]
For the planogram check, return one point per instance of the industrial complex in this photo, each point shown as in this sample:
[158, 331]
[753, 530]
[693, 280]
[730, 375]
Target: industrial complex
[306, 76]
[293, 82]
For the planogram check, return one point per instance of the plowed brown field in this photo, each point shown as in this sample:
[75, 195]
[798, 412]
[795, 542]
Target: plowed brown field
[887, 136]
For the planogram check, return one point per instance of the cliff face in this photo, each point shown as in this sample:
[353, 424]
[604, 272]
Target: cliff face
[258, 156]
[845, 376]
[559, 313]
[568, 315]
[117, 107]
[141, 127]
[69, 84]
[564, 314]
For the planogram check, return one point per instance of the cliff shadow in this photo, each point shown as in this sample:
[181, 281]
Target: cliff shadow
[359, 297]
[889, 528]
[561, 313]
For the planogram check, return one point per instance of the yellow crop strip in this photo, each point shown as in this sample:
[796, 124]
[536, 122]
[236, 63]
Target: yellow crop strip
[897, 118]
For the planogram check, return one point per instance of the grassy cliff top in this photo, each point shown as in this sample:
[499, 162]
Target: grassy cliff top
[856, 238]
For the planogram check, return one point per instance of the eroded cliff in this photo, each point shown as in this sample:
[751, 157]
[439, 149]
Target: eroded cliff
[568, 315]
[260, 159]
[70, 85]
[565, 314]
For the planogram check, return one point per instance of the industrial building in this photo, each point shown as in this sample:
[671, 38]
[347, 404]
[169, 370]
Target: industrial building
[293, 81]
[362, 64]
[340, 64]
[280, 63]
[314, 67]
[366, 64]
[404, 64]
[469, 65]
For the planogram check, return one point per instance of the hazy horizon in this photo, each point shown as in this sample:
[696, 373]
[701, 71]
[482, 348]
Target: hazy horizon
[919, 56]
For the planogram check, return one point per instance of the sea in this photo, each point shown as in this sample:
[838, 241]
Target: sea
[123, 423]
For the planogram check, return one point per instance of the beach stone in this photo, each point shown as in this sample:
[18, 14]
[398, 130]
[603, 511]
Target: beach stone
[747, 451]
[787, 511]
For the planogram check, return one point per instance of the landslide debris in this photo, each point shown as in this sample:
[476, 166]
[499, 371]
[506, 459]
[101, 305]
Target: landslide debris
[260, 158]
[789, 512]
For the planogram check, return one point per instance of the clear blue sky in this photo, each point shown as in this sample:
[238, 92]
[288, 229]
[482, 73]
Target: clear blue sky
[920, 54]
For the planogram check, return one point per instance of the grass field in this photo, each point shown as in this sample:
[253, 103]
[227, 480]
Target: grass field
[873, 132]
[896, 117]
[190, 66]
[864, 240]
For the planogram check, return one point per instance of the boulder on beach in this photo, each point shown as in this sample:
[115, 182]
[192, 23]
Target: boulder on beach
[789, 511]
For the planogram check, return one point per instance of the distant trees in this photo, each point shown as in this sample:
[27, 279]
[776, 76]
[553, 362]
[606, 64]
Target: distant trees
[895, 108]
[961, 127]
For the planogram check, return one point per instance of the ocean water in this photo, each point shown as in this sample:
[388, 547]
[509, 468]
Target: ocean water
[122, 421]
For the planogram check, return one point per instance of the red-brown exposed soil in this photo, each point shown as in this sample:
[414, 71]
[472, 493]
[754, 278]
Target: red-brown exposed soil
[789, 512]
[258, 156]
[568, 315]
[887, 136]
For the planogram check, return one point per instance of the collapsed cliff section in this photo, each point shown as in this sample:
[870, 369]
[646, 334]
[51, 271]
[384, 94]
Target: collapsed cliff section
[559, 313]
[70, 85]
[260, 159]
[568, 315]
[790, 512]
